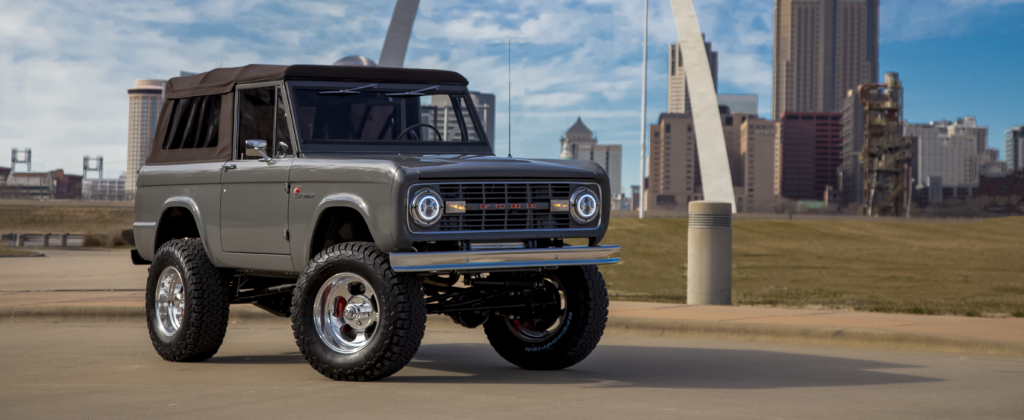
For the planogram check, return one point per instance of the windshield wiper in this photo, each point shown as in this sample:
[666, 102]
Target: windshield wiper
[346, 92]
[414, 92]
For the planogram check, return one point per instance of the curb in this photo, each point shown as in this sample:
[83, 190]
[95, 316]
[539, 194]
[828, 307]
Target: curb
[865, 338]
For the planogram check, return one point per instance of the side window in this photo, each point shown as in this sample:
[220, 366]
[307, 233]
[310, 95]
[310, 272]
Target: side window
[263, 115]
[256, 117]
[194, 124]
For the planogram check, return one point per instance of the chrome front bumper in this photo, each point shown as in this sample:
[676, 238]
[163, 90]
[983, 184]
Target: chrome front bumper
[504, 259]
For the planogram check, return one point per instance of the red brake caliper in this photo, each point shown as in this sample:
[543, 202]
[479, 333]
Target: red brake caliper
[339, 307]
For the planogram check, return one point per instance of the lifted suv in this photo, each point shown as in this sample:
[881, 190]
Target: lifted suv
[357, 200]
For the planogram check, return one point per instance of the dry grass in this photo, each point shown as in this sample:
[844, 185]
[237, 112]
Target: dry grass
[58, 218]
[972, 268]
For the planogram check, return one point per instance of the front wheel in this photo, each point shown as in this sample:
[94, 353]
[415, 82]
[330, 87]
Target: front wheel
[562, 335]
[353, 317]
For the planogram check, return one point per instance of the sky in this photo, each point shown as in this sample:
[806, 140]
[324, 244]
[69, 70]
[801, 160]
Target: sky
[65, 66]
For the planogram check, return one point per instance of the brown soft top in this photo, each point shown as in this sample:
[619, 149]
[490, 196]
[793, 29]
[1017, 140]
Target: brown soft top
[219, 81]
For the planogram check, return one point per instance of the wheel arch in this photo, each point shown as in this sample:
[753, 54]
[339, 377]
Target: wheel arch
[339, 218]
[180, 218]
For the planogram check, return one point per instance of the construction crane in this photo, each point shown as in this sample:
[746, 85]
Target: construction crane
[887, 154]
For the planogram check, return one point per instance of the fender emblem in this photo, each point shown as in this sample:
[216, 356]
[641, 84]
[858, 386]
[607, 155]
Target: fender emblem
[299, 194]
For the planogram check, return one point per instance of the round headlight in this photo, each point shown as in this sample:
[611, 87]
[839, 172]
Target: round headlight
[584, 206]
[425, 208]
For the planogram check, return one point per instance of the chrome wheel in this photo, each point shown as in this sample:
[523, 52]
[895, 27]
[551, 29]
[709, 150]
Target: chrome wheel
[346, 313]
[170, 301]
[541, 328]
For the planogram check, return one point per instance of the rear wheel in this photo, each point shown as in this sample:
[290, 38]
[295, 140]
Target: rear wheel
[561, 335]
[187, 302]
[353, 317]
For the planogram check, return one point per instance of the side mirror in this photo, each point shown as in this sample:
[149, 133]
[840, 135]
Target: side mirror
[257, 148]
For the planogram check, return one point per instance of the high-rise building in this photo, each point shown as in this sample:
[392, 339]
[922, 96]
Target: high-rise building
[739, 104]
[675, 178]
[851, 178]
[144, 102]
[678, 91]
[1015, 148]
[968, 126]
[580, 143]
[807, 154]
[823, 48]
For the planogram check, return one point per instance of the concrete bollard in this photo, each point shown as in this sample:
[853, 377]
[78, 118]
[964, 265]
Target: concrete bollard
[709, 255]
[46, 239]
[63, 239]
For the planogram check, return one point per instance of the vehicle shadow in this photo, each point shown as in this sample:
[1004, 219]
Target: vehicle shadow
[612, 366]
[263, 359]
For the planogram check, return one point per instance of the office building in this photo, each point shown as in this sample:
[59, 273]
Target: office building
[104, 189]
[940, 155]
[144, 102]
[739, 104]
[441, 115]
[580, 143]
[1014, 149]
[822, 49]
[678, 91]
[807, 154]
[954, 152]
[675, 178]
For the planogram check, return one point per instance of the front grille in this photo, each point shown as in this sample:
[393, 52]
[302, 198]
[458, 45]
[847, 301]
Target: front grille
[505, 219]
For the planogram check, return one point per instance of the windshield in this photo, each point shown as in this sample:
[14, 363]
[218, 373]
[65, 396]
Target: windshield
[347, 114]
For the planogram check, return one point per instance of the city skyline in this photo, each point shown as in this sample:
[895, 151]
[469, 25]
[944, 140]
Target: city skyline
[52, 62]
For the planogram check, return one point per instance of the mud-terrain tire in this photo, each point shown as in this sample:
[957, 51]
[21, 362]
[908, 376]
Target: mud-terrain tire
[340, 277]
[189, 323]
[585, 316]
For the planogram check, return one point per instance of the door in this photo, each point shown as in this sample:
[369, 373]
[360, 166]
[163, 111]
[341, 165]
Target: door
[254, 192]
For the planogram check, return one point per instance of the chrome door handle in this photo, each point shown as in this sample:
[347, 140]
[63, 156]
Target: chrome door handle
[225, 167]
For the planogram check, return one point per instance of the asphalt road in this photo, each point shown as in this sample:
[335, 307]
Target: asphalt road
[70, 371]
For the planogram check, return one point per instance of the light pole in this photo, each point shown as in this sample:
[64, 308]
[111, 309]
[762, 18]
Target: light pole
[643, 124]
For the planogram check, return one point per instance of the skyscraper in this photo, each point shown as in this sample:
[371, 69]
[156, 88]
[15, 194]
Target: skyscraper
[807, 150]
[1015, 148]
[678, 91]
[580, 143]
[144, 102]
[823, 48]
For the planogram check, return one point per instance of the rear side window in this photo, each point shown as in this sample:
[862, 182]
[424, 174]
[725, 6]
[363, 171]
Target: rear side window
[195, 123]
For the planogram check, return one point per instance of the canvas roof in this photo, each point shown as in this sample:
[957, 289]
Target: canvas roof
[220, 81]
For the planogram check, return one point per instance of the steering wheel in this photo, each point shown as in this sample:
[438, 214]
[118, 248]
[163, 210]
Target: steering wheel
[409, 128]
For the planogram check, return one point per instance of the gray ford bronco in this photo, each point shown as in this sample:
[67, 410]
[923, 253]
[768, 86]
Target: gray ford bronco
[357, 200]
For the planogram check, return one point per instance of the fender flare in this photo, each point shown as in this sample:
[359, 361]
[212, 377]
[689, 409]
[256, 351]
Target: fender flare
[190, 204]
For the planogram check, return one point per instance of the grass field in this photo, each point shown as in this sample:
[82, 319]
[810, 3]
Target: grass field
[969, 268]
[961, 268]
[58, 218]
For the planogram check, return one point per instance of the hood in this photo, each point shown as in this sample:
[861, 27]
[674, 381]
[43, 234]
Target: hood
[443, 167]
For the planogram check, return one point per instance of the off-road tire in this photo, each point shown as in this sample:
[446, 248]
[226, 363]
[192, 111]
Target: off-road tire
[207, 302]
[403, 314]
[586, 313]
